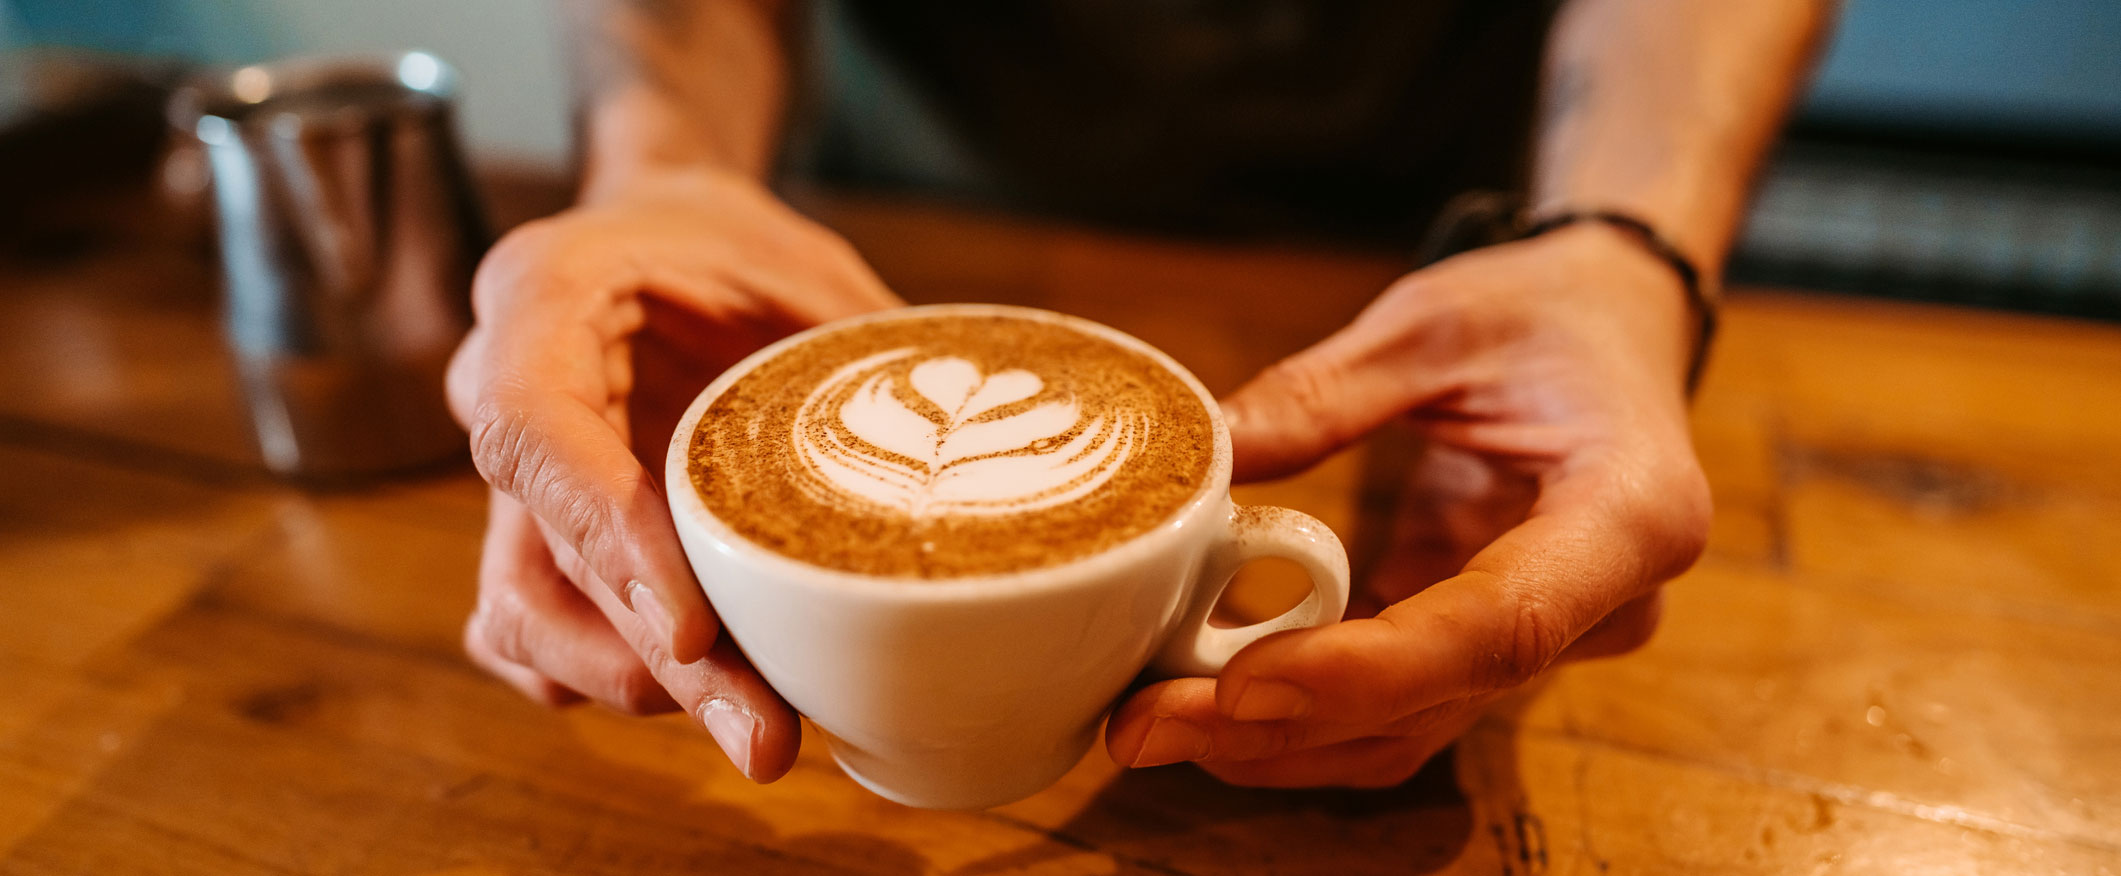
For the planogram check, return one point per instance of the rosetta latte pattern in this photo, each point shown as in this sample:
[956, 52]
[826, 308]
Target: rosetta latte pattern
[950, 444]
[942, 438]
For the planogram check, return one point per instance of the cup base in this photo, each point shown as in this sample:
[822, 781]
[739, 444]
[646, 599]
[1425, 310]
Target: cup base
[937, 789]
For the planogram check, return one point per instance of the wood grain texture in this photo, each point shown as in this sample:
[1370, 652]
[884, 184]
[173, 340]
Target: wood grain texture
[1901, 655]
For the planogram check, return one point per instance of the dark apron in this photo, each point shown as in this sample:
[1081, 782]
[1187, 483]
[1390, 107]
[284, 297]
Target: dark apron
[1319, 118]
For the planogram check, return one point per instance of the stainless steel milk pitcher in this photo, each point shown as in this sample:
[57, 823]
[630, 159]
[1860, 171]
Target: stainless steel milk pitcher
[349, 231]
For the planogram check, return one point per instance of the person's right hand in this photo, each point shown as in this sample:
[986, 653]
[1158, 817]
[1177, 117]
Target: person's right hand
[594, 330]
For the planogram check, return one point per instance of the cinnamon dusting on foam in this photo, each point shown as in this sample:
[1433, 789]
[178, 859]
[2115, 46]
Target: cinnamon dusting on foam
[952, 445]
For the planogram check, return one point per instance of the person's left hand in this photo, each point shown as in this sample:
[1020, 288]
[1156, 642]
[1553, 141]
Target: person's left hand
[1556, 491]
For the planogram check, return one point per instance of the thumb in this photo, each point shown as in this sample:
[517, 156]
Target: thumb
[1303, 408]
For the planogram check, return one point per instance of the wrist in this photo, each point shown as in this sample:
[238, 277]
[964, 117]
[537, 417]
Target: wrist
[1650, 299]
[652, 182]
[1645, 238]
[634, 136]
[1700, 248]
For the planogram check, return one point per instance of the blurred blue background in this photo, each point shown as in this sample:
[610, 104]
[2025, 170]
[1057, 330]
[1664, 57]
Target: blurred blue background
[515, 92]
[2049, 67]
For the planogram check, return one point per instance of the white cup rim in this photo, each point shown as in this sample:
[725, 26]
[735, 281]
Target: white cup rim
[685, 499]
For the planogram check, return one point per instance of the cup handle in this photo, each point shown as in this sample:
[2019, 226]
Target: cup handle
[1199, 648]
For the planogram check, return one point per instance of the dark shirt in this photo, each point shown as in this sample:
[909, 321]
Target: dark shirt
[1315, 116]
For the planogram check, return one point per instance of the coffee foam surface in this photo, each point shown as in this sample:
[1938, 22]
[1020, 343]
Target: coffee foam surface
[950, 445]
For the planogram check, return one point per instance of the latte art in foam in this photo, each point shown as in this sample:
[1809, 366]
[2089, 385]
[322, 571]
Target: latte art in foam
[935, 436]
[937, 445]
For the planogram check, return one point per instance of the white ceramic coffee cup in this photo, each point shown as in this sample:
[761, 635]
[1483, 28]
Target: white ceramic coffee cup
[964, 693]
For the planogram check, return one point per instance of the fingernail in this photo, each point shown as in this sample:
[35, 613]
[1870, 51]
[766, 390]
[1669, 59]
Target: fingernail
[1171, 740]
[649, 608]
[731, 728]
[1268, 700]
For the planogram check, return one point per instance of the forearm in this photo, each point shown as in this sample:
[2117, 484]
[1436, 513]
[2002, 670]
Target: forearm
[677, 83]
[1664, 109]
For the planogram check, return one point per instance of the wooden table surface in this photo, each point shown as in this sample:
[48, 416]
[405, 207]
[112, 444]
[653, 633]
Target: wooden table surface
[1901, 654]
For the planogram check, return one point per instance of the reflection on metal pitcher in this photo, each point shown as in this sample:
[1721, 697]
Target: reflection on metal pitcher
[348, 234]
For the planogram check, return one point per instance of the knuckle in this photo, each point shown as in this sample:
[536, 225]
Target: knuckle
[501, 654]
[502, 628]
[592, 530]
[1535, 639]
[1312, 387]
[505, 445]
[1280, 737]
[546, 693]
[1673, 515]
[476, 645]
[1431, 298]
[1695, 510]
[509, 258]
[528, 248]
[1414, 290]
[756, 194]
[541, 690]
[460, 381]
[1411, 692]
[1661, 512]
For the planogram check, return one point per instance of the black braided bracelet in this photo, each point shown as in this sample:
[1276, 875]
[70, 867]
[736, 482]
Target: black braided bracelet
[1705, 300]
